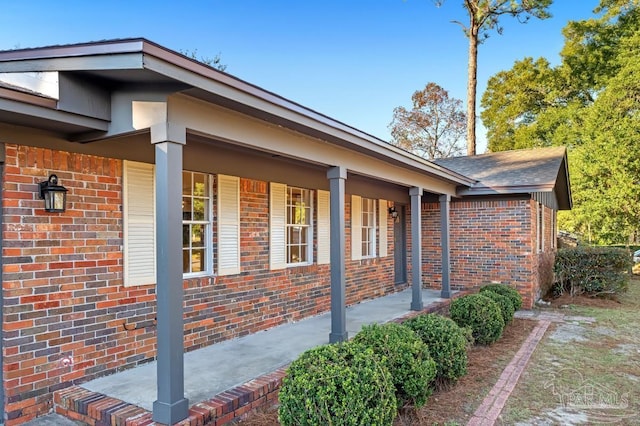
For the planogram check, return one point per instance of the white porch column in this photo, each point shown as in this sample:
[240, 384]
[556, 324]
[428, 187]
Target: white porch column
[444, 244]
[337, 177]
[416, 248]
[171, 405]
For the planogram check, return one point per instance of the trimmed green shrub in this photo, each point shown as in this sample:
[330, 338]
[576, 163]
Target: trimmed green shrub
[407, 358]
[593, 270]
[505, 290]
[447, 345]
[340, 384]
[506, 305]
[481, 314]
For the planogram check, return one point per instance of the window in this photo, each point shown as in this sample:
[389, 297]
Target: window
[540, 227]
[554, 224]
[299, 234]
[139, 242]
[368, 228]
[291, 213]
[196, 223]
[368, 221]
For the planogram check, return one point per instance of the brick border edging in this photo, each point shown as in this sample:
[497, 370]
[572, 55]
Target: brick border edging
[491, 407]
[97, 409]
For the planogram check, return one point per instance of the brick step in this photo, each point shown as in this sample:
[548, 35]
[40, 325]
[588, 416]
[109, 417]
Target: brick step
[96, 409]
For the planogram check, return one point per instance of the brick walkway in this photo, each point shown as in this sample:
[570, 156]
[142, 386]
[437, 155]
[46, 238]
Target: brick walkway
[488, 412]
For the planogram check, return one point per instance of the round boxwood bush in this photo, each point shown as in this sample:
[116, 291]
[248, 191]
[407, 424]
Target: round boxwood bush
[505, 290]
[506, 305]
[447, 345]
[407, 358]
[340, 384]
[481, 314]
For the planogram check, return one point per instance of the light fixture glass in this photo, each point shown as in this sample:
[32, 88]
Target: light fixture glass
[54, 195]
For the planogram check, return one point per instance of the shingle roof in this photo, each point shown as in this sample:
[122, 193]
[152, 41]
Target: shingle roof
[518, 171]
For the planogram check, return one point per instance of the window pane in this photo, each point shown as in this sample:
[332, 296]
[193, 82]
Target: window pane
[197, 260]
[300, 213]
[302, 253]
[185, 236]
[199, 185]
[293, 237]
[185, 261]
[186, 183]
[197, 236]
[199, 208]
[186, 208]
[295, 254]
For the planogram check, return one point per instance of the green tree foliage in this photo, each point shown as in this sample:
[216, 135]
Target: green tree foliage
[606, 169]
[215, 62]
[433, 128]
[589, 102]
[484, 16]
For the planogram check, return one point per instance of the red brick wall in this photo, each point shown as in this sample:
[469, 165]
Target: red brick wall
[63, 303]
[67, 316]
[490, 241]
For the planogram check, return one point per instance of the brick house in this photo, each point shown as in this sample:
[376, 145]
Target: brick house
[200, 208]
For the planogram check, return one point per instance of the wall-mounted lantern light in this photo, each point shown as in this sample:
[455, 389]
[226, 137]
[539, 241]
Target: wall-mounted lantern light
[54, 195]
[394, 213]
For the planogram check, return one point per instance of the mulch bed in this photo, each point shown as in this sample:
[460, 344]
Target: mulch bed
[584, 300]
[459, 401]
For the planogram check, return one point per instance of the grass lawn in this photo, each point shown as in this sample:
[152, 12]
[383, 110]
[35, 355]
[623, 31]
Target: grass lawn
[584, 372]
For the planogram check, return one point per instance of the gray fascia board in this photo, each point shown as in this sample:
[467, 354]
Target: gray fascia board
[280, 107]
[500, 190]
[123, 61]
[40, 112]
[66, 51]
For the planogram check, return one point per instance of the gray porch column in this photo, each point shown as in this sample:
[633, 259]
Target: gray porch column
[416, 248]
[444, 243]
[337, 177]
[171, 405]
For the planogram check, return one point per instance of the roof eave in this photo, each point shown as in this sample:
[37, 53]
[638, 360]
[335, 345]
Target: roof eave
[143, 54]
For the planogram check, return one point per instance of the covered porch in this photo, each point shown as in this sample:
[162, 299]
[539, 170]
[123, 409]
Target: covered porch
[226, 380]
[157, 117]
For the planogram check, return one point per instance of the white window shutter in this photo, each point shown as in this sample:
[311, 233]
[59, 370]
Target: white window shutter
[324, 227]
[382, 223]
[228, 225]
[139, 230]
[277, 226]
[356, 227]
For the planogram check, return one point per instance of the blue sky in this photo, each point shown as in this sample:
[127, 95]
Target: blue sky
[353, 60]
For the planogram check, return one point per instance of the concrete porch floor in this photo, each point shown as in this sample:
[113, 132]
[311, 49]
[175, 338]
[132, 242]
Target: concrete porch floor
[216, 368]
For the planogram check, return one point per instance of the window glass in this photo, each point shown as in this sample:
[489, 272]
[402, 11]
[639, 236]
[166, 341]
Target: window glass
[196, 222]
[368, 227]
[299, 214]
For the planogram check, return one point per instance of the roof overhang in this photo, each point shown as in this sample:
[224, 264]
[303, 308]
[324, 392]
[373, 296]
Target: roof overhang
[560, 187]
[135, 61]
